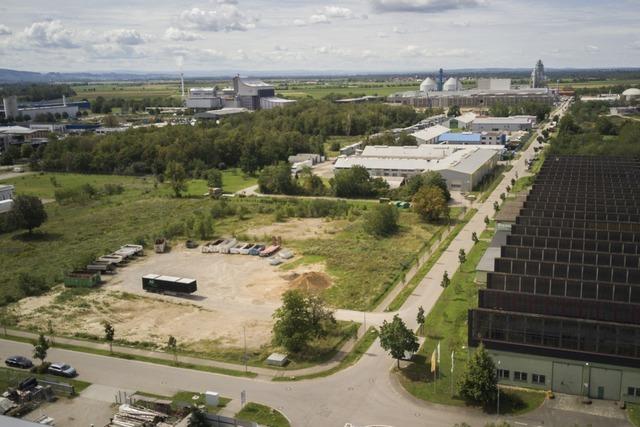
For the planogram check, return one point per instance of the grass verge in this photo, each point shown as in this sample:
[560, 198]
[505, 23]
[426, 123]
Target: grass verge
[359, 349]
[139, 358]
[633, 412]
[424, 269]
[262, 415]
[447, 324]
[188, 398]
[10, 377]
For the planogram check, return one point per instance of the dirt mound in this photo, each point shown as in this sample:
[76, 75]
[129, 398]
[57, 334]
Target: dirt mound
[311, 281]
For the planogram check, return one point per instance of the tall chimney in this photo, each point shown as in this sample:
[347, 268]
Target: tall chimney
[182, 84]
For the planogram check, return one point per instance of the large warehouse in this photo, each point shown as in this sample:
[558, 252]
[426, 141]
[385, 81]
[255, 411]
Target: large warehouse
[462, 168]
[561, 310]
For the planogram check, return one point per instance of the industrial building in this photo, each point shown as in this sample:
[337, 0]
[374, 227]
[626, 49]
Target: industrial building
[462, 168]
[631, 94]
[204, 98]
[18, 135]
[13, 110]
[6, 198]
[430, 135]
[538, 78]
[561, 307]
[473, 138]
[503, 124]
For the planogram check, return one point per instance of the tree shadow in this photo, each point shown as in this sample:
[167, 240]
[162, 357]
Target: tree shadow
[37, 236]
[509, 403]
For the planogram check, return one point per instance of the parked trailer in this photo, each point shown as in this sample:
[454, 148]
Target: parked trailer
[245, 250]
[224, 248]
[255, 251]
[160, 284]
[101, 268]
[82, 279]
[126, 253]
[270, 250]
[207, 248]
[236, 248]
[139, 249]
[113, 259]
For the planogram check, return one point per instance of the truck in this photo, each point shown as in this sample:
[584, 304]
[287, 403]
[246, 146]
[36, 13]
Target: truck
[168, 284]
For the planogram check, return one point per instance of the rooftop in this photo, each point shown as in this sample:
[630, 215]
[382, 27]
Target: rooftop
[512, 119]
[430, 132]
[424, 151]
[460, 137]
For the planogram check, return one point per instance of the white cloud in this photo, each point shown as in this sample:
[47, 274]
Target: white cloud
[338, 12]
[299, 22]
[382, 35]
[113, 51]
[397, 30]
[318, 19]
[422, 6]
[125, 37]
[227, 17]
[413, 51]
[5, 31]
[50, 34]
[592, 48]
[176, 34]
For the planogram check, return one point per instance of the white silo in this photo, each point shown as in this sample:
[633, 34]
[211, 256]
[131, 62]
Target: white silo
[428, 85]
[451, 85]
[10, 106]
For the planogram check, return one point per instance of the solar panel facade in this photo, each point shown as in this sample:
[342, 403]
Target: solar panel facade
[567, 282]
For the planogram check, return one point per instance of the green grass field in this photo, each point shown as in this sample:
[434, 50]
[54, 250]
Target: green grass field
[320, 92]
[361, 288]
[263, 415]
[596, 83]
[633, 410]
[447, 324]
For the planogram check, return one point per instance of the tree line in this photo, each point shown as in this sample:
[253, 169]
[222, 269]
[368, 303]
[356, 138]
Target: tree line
[33, 92]
[529, 108]
[250, 141]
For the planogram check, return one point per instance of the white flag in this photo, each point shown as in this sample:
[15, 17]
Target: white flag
[452, 361]
[438, 352]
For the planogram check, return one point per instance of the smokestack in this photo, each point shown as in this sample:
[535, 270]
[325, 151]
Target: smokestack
[182, 84]
[64, 100]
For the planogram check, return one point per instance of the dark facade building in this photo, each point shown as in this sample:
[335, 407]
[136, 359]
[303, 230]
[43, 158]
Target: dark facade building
[561, 310]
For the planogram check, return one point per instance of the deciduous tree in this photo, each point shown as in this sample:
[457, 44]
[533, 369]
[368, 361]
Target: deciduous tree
[397, 339]
[27, 212]
[430, 203]
[381, 220]
[479, 382]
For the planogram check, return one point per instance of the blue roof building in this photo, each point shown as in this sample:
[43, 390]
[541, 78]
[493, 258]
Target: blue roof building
[460, 138]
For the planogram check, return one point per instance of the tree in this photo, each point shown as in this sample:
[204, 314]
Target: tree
[420, 319]
[26, 151]
[109, 333]
[415, 183]
[356, 182]
[381, 220]
[486, 220]
[40, 348]
[214, 178]
[499, 109]
[479, 382]
[27, 213]
[277, 179]
[474, 237]
[172, 345]
[429, 202]
[445, 280]
[110, 121]
[397, 339]
[462, 256]
[31, 284]
[198, 418]
[177, 176]
[6, 318]
[300, 319]
[453, 111]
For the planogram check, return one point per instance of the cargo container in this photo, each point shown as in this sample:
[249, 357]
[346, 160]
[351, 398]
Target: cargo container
[270, 250]
[161, 284]
[139, 250]
[208, 248]
[160, 245]
[245, 250]
[101, 267]
[82, 279]
[112, 259]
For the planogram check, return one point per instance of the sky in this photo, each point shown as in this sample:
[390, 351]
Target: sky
[366, 36]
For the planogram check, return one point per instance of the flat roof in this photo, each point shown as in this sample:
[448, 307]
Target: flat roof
[430, 132]
[16, 130]
[279, 100]
[424, 151]
[462, 137]
[472, 161]
[512, 119]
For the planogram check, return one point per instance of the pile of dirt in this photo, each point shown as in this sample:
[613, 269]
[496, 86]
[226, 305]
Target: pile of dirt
[311, 281]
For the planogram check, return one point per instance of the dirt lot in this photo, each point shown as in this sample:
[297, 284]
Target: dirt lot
[297, 229]
[234, 291]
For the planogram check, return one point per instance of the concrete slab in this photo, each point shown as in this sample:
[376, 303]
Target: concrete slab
[76, 412]
[103, 393]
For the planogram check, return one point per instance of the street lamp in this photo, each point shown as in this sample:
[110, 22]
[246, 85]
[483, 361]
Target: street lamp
[498, 387]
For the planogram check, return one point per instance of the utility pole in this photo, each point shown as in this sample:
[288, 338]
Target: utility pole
[498, 387]
[244, 333]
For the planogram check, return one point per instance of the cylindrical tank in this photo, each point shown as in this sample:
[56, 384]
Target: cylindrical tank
[428, 85]
[10, 106]
[451, 84]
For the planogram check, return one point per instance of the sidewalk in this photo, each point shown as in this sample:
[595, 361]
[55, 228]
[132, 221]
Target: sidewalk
[263, 373]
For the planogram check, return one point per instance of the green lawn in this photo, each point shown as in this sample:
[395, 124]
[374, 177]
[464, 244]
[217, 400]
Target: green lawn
[633, 411]
[379, 89]
[263, 415]
[342, 140]
[447, 324]
[361, 288]
[522, 184]
[356, 353]
[424, 269]
[232, 180]
[10, 377]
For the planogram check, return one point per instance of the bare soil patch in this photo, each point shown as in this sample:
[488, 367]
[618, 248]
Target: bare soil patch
[298, 229]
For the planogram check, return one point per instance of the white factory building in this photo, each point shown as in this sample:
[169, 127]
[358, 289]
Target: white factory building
[203, 98]
[503, 124]
[462, 168]
[11, 108]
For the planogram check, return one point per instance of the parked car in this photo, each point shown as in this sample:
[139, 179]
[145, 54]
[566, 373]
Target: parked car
[19, 362]
[62, 369]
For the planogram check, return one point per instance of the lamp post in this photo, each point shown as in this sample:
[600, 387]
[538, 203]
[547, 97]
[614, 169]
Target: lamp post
[498, 388]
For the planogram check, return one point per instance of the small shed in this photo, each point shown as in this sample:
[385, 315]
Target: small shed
[82, 279]
[277, 359]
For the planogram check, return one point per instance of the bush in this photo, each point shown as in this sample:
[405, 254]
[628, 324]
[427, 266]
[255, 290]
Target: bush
[111, 189]
[31, 285]
[382, 220]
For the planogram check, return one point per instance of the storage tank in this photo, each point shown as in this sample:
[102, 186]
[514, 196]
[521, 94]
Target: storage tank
[451, 85]
[428, 85]
[10, 106]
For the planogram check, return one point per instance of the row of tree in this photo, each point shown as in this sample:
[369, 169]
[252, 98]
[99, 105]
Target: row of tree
[532, 108]
[33, 92]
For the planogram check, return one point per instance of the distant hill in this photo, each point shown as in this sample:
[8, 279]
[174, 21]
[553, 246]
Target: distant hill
[15, 76]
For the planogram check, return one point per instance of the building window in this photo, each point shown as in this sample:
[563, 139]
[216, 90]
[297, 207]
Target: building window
[633, 391]
[503, 374]
[520, 376]
[538, 379]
